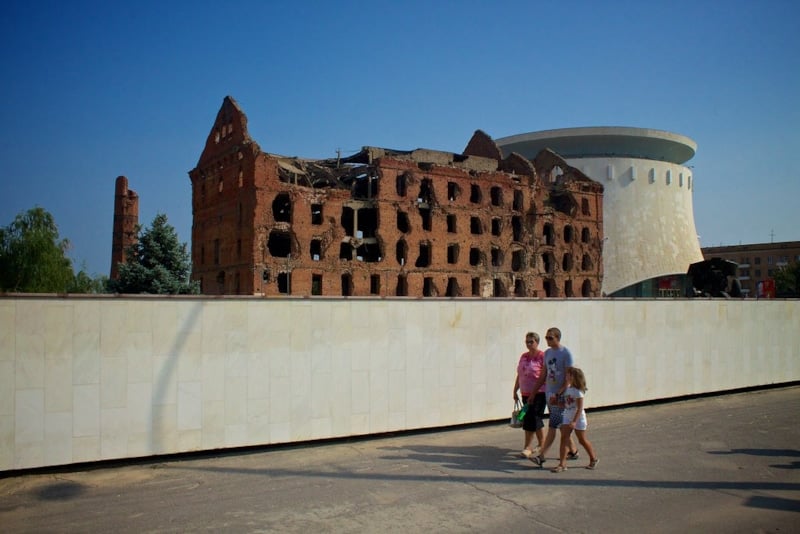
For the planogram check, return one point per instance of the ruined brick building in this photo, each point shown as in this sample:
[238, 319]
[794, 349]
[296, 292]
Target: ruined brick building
[382, 222]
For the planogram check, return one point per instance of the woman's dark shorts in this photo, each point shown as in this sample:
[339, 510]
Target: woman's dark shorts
[534, 417]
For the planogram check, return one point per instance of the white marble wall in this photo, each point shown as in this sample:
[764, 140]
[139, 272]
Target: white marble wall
[85, 379]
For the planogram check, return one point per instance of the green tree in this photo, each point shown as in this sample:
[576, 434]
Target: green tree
[32, 257]
[157, 263]
[787, 280]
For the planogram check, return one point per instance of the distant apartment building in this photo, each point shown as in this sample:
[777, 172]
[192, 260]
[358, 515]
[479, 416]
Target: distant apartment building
[757, 262]
[385, 222]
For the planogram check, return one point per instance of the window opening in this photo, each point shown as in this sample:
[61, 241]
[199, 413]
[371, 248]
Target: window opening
[428, 287]
[451, 224]
[425, 215]
[402, 286]
[425, 195]
[424, 259]
[401, 184]
[517, 260]
[345, 251]
[497, 257]
[475, 195]
[516, 227]
[549, 288]
[402, 221]
[452, 253]
[282, 208]
[566, 262]
[586, 288]
[585, 235]
[568, 288]
[348, 221]
[475, 257]
[586, 263]
[316, 213]
[279, 244]
[549, 234]
[316, 249]
[519, 288]
[284, 283]
[316, 284]
[497, 225]
[453, 191]
[452, 288]
[585, 206]
[476, 287]
[401, 252]
[347, 285]
[497, 196]
[568, 233]
[548, 263]
[375, 284]
[499, 288]
[518, 200]
[475, 226]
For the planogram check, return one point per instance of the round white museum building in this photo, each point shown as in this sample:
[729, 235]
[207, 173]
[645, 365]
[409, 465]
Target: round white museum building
[648, 221]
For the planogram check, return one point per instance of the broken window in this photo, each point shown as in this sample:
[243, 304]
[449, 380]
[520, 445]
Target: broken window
[368, 252]
[475, 226]
[284, 283]
[402, 221]
[429, 288]
[425, 215]
[402, 286]
[568, 233]
[367, 222]
[516, 228]
[499, 288]
[348, 220]
[316, 284]
[401, 184]
[568, 288]
[375, 284]
[586, 288]
[518, 200]
[453, 191]
[425, 195]
[548, 262]
[424, 258]
[345, 251]
[549, 288]
[221, 281]
[586, 263]
[216, 252]
[282, 208]
[401, 252]
[566, 262]
[347, 285]
[364, 185]
[476, 287]
[585, 206]
[585, 235]
[519, 288]
[497, 225]
[517, 260]
[316, 249]
[497, 257]
[452, 253]
[316, 213]
[549, 234]
[475, 257]
[452, 288]
[279, 244]
[496, 194]
[475, 195]
[564, 202]
[451, 224]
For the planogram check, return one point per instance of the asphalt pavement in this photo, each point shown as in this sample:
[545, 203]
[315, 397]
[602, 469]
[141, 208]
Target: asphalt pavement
[727, 463]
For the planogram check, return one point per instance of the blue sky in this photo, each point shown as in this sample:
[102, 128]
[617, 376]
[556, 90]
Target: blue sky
[94, 90]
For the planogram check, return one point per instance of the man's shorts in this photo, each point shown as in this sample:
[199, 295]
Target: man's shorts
[556, 415]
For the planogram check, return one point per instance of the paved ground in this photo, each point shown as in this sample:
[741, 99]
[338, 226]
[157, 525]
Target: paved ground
[728, 463]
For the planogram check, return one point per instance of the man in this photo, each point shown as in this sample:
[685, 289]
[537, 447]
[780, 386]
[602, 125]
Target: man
[557, 359]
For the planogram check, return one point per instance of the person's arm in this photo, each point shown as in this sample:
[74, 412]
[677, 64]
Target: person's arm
[538, 385]
[516, 387]
[565, 384]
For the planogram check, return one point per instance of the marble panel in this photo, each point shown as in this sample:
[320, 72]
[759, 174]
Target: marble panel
[7, 388]
[190, 406]
[86, 410]
[58, 438]
[58, 384]
[29, 416]
[113, 383]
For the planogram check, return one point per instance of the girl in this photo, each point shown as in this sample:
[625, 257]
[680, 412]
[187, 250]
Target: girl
[574, 418]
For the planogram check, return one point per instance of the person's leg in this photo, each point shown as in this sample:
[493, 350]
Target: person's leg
[589, 448]
[566, 438]
[554, 421]
[529, 428]
[539, 403]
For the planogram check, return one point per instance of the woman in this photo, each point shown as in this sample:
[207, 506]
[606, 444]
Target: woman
[530, 366]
